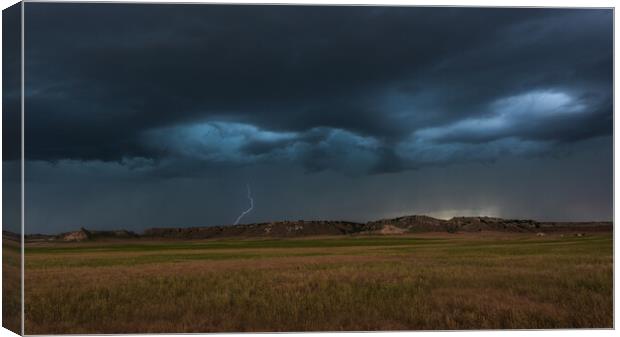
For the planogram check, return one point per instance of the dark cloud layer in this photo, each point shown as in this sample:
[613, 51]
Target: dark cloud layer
[11, 118]
[186, 91]
[100, 76]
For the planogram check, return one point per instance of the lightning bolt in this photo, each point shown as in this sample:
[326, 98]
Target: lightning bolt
[247, 210]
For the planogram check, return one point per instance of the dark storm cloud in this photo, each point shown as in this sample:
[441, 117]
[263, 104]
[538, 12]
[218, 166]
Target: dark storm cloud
[11, 79]
[110, 82]
[11, 118]
[159, 115]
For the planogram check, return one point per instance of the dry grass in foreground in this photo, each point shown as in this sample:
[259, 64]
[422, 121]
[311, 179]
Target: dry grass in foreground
[353, 283]
[11, 285]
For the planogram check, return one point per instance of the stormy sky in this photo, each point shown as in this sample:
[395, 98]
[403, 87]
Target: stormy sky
[159, 115]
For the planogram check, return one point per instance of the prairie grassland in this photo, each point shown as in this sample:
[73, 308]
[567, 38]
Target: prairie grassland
[11, 285]
[321, 284]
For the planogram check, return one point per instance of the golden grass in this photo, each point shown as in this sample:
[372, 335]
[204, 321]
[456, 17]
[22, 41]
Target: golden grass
[11, 285]
[451, 283]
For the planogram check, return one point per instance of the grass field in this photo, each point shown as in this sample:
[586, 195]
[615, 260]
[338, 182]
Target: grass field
[336, 283]
[11, 285]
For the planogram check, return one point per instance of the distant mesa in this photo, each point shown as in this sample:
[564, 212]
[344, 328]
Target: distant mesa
[86, 235]
[301, 228]
[81, 235]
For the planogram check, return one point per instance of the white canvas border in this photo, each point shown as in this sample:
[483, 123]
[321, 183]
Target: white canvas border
[469, 3]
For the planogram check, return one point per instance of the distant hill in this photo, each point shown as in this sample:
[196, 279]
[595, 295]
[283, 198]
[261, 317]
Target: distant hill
[83, 235]
[268, 229]
[300, 228]
[423, 223]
